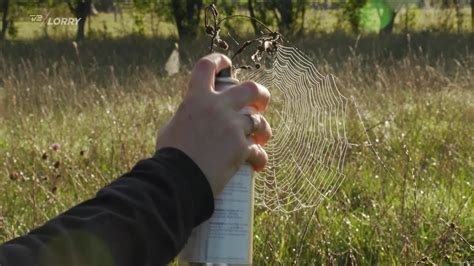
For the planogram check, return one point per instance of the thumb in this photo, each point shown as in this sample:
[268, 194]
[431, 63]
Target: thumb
[205, 70]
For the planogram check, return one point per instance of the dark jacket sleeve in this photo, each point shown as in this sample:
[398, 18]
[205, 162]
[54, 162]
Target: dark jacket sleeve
[142, 218]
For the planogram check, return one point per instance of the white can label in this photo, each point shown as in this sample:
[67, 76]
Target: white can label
[227, 236]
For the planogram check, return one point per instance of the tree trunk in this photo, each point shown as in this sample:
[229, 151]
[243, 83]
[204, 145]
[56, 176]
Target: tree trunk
[285, 8]
[303, 13]
[407, 9]
[252, 14]
[45, 30]
[5, 6]
[457, 7]
[445, 4]
[82, 10]
[152, 23]
[472, 15]
[80, 29]
[187, 14]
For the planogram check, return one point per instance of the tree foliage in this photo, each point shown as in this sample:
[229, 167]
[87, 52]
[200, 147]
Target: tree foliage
[288, 15]
[186, 14]
[352, 11]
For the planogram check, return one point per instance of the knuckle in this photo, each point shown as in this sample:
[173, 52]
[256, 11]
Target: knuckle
[225, 58]
[205, 64]
[251, 86]
[257, 90]
[266, 93]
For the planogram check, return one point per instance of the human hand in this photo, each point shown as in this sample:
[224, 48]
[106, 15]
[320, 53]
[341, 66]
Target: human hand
[209, 128]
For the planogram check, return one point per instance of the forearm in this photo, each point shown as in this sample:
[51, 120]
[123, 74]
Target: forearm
[142, 218]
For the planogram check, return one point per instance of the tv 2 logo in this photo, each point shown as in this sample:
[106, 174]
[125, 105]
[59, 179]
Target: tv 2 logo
[54, 21]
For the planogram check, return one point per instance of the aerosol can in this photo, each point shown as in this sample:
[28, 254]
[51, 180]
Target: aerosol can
[226, 238]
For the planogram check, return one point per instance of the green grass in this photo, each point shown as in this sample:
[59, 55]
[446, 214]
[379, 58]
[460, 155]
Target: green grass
[105, 106]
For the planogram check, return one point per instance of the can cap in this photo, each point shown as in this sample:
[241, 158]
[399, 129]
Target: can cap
[225, 76]
[225, 73]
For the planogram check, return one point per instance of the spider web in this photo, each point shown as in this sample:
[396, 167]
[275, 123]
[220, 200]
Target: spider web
[308, 117]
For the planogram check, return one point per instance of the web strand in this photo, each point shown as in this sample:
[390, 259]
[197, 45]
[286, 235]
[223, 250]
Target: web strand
[309, 143]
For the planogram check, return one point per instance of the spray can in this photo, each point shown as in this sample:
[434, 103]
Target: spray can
[226, 238]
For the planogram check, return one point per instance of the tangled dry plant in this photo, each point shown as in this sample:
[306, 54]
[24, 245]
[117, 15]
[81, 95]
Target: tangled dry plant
[267, 42]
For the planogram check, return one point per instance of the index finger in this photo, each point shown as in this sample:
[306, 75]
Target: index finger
[248, 93]
[205, 70]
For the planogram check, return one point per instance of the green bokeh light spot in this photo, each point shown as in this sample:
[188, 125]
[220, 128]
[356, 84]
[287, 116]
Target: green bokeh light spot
[375, 16]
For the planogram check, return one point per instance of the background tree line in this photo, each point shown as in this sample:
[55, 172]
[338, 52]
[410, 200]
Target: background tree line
[286, 15]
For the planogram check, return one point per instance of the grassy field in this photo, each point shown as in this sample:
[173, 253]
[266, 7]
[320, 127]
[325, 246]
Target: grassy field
[104, 105]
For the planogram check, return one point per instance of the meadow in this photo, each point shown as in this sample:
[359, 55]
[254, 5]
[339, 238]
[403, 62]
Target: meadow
[407, 198]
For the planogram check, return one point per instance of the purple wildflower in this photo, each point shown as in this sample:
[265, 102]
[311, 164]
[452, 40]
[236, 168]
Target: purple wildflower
[55, 146]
